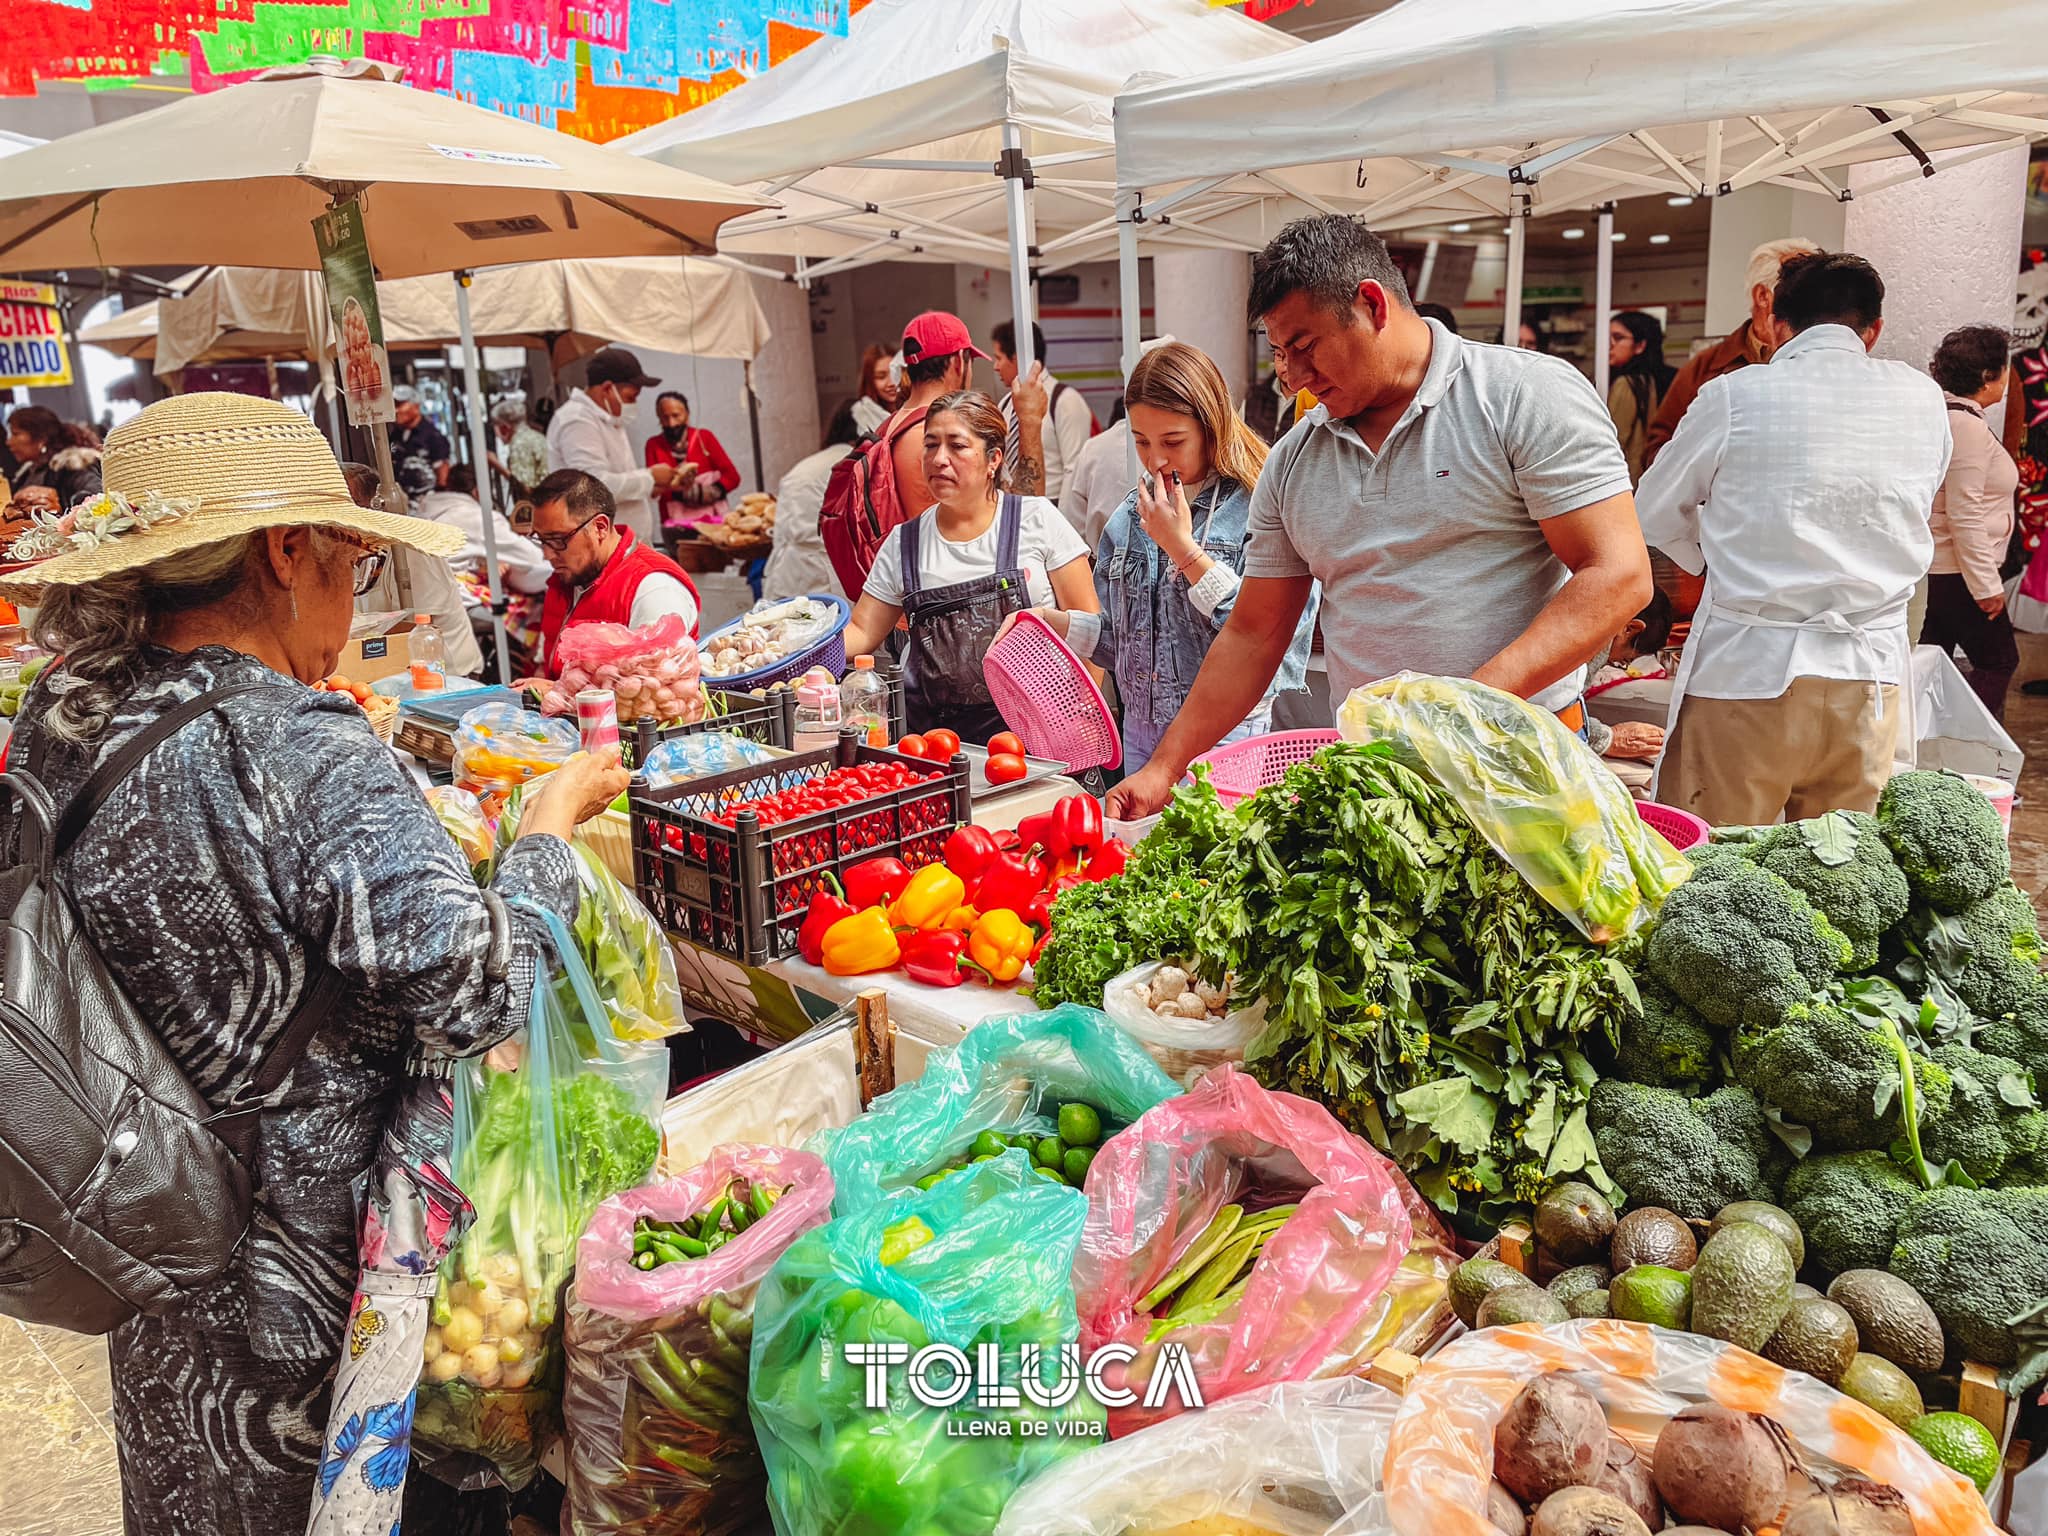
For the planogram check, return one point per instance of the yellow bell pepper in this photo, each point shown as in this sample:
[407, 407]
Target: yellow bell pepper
[930, 898]
[861, 943]
[961, 920]
[1000, 944]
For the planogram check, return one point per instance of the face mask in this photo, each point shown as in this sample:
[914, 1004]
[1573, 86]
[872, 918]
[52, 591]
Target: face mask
[675, 435]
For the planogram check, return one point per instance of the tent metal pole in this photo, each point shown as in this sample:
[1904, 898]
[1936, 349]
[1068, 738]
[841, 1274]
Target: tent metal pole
[1518, 250]
[1603, 297]
[754, 423]
[1129, 302]
[1015, 169]
[479, 448]
[1428, 271]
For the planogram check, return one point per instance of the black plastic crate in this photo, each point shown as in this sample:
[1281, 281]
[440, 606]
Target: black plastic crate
[770, 720]
[743, 890]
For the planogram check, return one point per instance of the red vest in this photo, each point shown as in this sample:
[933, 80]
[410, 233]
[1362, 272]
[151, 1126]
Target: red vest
[609, 599]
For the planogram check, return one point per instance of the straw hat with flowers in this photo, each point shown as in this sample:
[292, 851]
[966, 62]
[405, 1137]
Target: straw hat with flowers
[195, 470]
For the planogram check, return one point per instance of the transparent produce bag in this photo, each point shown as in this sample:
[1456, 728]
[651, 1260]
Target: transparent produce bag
[1186, 1048]
[980, 1259]
[655, 1400]
[1298, 1459]
[1535, 792]
[1251, 1228]
[499, 749]
[1441, 1454]
[1008, 1075]
[542, 1135]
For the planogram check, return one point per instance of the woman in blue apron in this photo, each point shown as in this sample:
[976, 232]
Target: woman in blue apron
[959, 570]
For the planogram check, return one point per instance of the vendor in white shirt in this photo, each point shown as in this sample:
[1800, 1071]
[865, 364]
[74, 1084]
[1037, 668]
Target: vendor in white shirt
[1802, 488]
[520, 561]
[1069, 419]
[589, 433]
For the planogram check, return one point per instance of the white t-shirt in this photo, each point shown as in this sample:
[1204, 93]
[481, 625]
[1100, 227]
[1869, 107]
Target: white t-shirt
[1045, 542]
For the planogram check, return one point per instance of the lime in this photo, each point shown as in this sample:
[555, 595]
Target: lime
[904, 1238]
[1959, 1441]
[932, 1178]
[1075, 1164]
[1051, 1173]
[1080, 1125]
[1049, 1152]
[989, 1144]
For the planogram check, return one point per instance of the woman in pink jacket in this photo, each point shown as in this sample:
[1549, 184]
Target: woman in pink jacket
[1973, 516]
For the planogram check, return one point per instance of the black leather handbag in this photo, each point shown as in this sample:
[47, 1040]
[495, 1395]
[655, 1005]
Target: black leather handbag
[122, 1190]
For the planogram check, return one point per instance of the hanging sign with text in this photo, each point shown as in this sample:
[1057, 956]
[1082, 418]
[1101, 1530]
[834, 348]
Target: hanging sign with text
[32, 351]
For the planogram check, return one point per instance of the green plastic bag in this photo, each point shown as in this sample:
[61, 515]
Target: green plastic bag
[980, 1259]
[1009, 1075]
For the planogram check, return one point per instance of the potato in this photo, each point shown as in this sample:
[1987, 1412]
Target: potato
[1553, 1435]
[512, 1314]
[515, 1377]
[1586, 1512]
[1717, 1467]
[432, 1351]
[481, 1365]
[1852, 1508]
[446, 1367]
[1627, 1477]
[1506, 1515]
[463, 1330]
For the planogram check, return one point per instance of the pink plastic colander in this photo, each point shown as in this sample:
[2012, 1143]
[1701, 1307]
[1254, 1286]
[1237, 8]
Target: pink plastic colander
[1681, 829]
[1245, 767]
[1047, 697]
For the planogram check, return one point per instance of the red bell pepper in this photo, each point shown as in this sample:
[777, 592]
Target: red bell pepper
[1007, 840]
[827, 908]
[1011, 880]
[1036, 831]
[934, 958]
[1038, 911]
[1108, 860]
[1076, 826]
[876, 882]
[969, 852]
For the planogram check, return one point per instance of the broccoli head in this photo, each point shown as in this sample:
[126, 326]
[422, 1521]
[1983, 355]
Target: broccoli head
[2023, 1034]
[1831, 1072]
[1742, 947]
[1848, 1204]
[1993, 1121]
[1989, 952]
[1840, 863]
[1692, 1157]
[1946, 837]
[1666, 1044]
[1980, 1258]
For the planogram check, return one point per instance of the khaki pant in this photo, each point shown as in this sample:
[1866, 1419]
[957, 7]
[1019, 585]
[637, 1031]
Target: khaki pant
[1817, 747]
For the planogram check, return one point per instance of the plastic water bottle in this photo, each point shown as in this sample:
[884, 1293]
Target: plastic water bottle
[864, 701]
[818, 714]
[429, 658]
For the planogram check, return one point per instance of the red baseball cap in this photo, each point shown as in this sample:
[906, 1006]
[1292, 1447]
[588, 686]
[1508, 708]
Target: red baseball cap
[937, 334]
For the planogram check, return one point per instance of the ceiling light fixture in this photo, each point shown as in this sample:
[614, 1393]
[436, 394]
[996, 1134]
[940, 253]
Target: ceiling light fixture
[1461, 229]
[1575, 234]
[1660, 239]
[1619, 235]
[1678, 202]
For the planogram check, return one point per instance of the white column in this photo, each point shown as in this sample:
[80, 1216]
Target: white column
[1511, 289]
[1199, 297]
[1603, 296]
[1947, 246]
[1018, 199]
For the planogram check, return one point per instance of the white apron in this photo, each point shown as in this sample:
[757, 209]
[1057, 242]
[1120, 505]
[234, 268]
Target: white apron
[1876, 633]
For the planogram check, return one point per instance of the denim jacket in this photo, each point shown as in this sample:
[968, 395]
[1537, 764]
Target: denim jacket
[1153, 636]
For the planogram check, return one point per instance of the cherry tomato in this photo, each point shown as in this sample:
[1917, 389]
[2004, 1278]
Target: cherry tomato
[914, 746]
[1006, 767]
[942, 745]
[1005, 744]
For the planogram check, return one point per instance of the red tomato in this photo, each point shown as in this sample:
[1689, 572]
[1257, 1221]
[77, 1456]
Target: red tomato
[914, 746]
[1006, 767]
[942, 745]
[1004, 745]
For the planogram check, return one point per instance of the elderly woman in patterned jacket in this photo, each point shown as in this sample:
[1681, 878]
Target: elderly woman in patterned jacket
[269, 839]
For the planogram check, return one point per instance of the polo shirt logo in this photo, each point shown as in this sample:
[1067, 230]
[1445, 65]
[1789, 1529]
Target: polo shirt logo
[1443, 474]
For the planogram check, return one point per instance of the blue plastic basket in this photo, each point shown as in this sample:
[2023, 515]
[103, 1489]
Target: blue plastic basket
[828, 652]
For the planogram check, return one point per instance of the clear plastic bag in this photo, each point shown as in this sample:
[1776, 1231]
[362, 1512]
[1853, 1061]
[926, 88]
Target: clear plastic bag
[655, 1399]
[500, 748]
[1534, 791]
[696, 757]
[651, 672]
[1360, 1263]
[1187, 1048]
[1299, 1459]
[1009, 1075]
[462, 817]
[1440, 1458]
[771, 631]
[980, 1259]
[541, 1136]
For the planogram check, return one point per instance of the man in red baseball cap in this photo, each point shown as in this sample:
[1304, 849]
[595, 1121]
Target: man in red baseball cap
[938, 358]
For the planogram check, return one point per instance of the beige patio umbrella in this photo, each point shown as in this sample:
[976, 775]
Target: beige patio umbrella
[238, 176]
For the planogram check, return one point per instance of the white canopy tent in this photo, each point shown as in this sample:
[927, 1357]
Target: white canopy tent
[1443, 109]
[980, 132]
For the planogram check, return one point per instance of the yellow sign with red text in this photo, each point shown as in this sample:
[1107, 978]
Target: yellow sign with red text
[32, 351]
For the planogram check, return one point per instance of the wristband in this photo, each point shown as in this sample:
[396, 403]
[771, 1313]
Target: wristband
[1181, 566]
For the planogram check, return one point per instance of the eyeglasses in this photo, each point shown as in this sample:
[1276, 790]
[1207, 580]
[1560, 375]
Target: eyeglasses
[556, 543]
[368, 567]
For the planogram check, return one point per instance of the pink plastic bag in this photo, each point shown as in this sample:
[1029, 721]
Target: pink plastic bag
[655, 1400]
[1355, 1268]
[651, 672]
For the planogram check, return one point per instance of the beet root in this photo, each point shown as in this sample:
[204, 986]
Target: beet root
[1853, 1507]
[1553, 1435]
[1721, 1468]
[1586, 1512]
[1504, 1513]
[1627, 1476]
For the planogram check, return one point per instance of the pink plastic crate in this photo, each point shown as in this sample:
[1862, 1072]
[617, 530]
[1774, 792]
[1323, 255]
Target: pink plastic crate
[1681, 829]
[1245, 767]
[1047, 697]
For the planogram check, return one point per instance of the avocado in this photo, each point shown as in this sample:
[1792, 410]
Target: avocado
[1770, 1218]
[1649, 1293]
[1892, 1319]
[1520, 1304]
[1576, 1282]
[1742, 1285]
[1574, 1223]
[1653, 1235]
[1877, 1383]
[1816, 1337]
[1589, 1304]
[1803, 1292]
[1475, 1279]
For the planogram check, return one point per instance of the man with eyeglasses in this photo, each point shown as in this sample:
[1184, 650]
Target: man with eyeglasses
[603, 573]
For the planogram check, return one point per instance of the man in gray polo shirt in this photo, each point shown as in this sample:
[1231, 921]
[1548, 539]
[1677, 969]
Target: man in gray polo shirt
[1466, 507]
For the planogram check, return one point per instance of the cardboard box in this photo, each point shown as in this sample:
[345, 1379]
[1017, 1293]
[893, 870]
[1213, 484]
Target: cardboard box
[373, 656]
